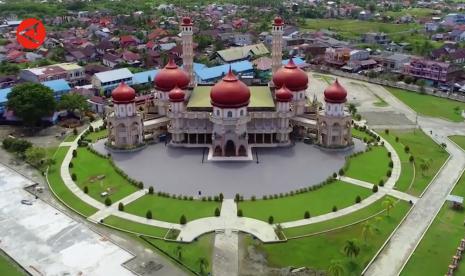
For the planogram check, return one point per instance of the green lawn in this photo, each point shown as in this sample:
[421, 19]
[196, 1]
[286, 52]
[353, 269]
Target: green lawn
[435, 251]
[170, 209]
[143, 229]
[88, 166]
[70, 138]
[407, 173]
[190, 252]
[418, 12]
[370, 166]
[361, 134]
[430, 105]
[459, 140]
[318, 251]
[351, 28]
[60, 189]
[354, 217]
[317, 202]
[97, 135]
[425, 151]
[8, 267]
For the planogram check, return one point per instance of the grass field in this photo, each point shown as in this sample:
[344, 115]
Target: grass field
[97, 135]
[351, 28]
[418, 12]
[408, 170]
[59, 187]
[190, 252]
[435, 251]
[170, 209]
[318, 251]
[317, 202]
[354, 217]
[430, 105]
[370, 166]
[425, 151]
[361, 134]
[8, 267]
[88, 167]
[143, 229]
[459, 140]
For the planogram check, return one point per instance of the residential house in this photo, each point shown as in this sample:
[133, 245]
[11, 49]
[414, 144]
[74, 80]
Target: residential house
[104, 46]
[71, 72]
[131, 58]
[435, 71]
[241, 39]
[111, 60]
[128, 41]
[392, 61]
[375, 38]
[107, 81]
[241, 53]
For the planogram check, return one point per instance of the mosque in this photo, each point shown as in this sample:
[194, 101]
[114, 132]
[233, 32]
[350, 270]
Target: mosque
[229, 118]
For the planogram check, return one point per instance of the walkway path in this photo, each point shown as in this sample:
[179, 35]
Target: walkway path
[226, 248]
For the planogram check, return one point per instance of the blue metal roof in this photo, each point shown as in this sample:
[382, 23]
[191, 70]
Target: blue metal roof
[218, 71]
[143, 77]
[297, 60]
[55, 85]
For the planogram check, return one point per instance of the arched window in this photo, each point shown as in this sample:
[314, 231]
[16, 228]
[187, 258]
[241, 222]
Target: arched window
[242, 112]
[229, 114]
[217, 112]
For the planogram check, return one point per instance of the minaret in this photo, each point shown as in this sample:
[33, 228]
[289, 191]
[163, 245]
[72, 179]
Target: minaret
[277, 44]
[176, 97]
[283, 99]
[187, 47]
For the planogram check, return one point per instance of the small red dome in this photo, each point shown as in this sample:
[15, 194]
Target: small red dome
[335, 93]
[278, 21]
[176, 95]
[170, 77]
[186, 21]
[292, 76]
[283, 94]
[123, 93]
[230, 92]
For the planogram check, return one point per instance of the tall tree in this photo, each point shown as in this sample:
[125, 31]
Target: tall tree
[203, 264]
[388, 204]
[367, 230]
[31, 102]
[351, 249]
[336, 268]
[74, 103]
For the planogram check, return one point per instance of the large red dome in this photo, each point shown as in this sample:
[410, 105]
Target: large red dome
[335, 93]
[176, 95]
[283, 94]
[230, 92]
[186, 21]
[170, 77]
[278, 21]
[123, 93]
[292, 76]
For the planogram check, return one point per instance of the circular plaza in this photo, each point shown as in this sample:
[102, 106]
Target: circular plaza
[274, 170]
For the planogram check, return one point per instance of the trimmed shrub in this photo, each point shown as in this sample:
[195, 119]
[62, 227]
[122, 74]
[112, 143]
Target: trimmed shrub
[150, 190]
[388, 174]
[334, 175]
[264, 197]
[389, 154]
[237, 198]
[307, 215]
[91, 129]
[107, 201]
[407, 149]
[358, 199]
[341, 171]
[334, 208]
[239, 212]
[121, 207]
[216, 198]
[217, 212]
[73, 177]
[86, 189]
[397, 139]
[386, 131]
[74, 153]
[221, 197]
[70, 165]
[375, 188]
[381, 182]
[75, 131]
[148, 215]
[140, 185]
[209, 198]
[391, 164]
[183, 220]
[270, 219]
[253, 198]
[411, 159]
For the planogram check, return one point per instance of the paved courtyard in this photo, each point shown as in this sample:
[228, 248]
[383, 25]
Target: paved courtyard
[47, 242]
[279, 170]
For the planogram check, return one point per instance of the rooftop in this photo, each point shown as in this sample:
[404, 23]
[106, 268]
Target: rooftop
[113, 75]
[237, 53]
[143, 77]
[260, 98]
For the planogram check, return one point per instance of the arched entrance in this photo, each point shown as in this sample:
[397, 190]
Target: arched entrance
[230, 149]
[218, 151]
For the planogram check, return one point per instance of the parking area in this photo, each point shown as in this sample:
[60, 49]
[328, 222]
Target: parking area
[45, 241]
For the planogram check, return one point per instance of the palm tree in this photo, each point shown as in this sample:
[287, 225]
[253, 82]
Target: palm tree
[351, 248]
[388, 204]
[178, 252]
[367, 230]
[336, 268]
[203, 264]
[425, 165]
